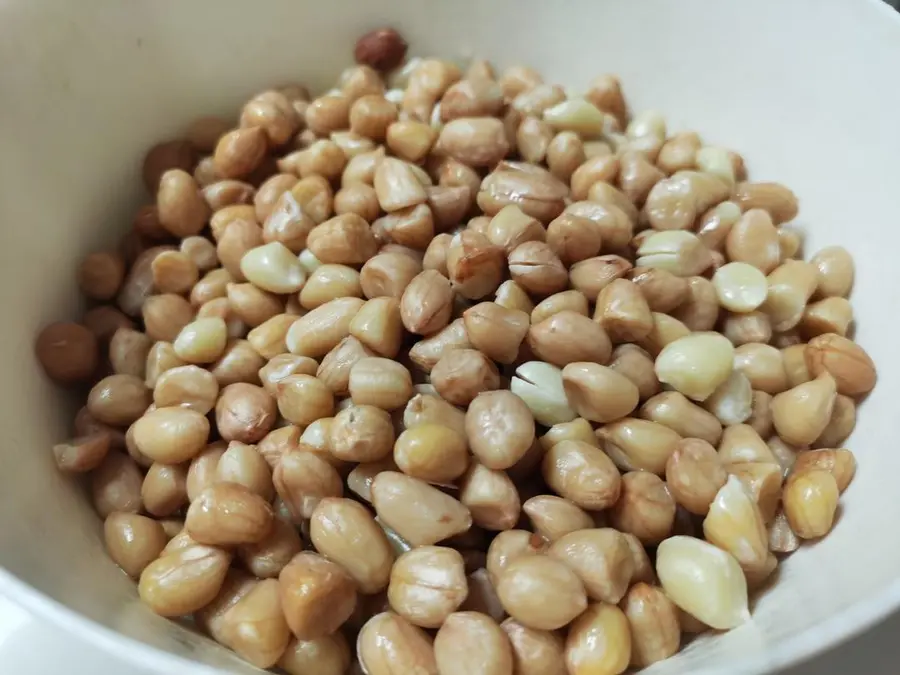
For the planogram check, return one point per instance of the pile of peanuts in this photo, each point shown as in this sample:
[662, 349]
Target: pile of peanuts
[475, 374]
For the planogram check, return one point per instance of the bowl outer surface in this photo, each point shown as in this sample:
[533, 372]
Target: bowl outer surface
[805, 90]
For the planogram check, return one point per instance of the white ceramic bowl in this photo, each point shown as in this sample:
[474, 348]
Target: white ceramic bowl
[805, 90]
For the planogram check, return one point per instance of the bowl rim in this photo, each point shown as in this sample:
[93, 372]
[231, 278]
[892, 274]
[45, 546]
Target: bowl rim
[829, 634]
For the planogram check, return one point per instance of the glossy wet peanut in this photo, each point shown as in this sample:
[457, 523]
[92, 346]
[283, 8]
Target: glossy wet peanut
[830, 315]
[255, 627]
[317, 595]
[303, 399]
[302, 479]
[535, 652]
[268, 557]
[599, 641]
[704, 581]
[732, 400]
[540, 386]
[541, 592]
[673, 410]
[791, 285]
[846, 362]
[495, 331]
[244, 465]
[623, 312]
[696, 364]
[571, 301]
[600, 557]
[636, 444]
[801, 414]
[655, 629]
[184, 581]
[82, 453]
[637, 365]
[472, 642]
[431, 409]
[810, 501]
[380, 382]
[327, 655]
[133, 541]
[427, 352]
[171, 435]
[598, 393]
[554, 517]
[645, 508]
[164, 490]
[461, 374]
[188, 387]
[567, 337]
[736, 525]
[534, 266]
[840, 462]
[662, 290]
[345, 532]
[388, 644]
[334, 371]
[180, 205]
[835, 271]
[426, 303]
[282, 366]
[245, 412]
[510, 545]
[583, 474]
[427, 584]
[437, 516]
[500, 428]
[491, 497]
[360, 433]
[776, 199]
[228, 514]
[763, 481]
[474, 264]
[118, 400]
[741, 443]
[754, 240]
[388, 274]
[695, 474]
[116, 485]
[378, 326]
[432, 452]
[676, 251]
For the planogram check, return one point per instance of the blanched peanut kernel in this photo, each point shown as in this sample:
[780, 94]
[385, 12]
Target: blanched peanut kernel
[704, 581]
[740, 287]
[540, 385]
[696, 365]
[272, 267]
